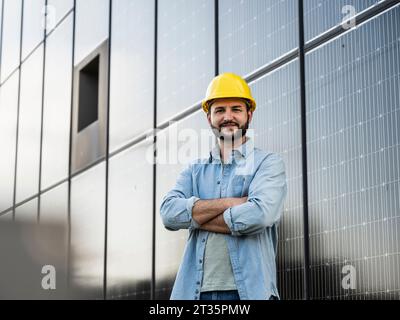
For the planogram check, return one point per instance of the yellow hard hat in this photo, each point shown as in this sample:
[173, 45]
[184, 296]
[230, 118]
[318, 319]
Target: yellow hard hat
[228, 85]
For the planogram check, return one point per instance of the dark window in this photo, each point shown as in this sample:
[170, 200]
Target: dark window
[90, 108]
[88, 94]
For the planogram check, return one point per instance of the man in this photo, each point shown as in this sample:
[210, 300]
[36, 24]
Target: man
[231, 203]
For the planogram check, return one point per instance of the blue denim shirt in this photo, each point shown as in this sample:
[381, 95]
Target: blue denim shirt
[252, 244]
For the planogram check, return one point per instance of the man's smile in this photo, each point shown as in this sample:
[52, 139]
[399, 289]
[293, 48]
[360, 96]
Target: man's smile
[229, 125]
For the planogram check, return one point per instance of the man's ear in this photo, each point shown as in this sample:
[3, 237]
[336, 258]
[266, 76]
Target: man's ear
[250, 114]
[209, 118]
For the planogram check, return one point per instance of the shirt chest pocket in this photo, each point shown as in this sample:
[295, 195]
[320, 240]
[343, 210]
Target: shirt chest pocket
[240, 185]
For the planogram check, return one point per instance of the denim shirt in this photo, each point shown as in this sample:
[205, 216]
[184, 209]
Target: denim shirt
[252, 244]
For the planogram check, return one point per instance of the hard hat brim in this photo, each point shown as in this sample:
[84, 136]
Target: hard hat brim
[207, 103]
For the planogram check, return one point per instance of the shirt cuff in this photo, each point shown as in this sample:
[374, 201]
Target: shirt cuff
[229, 222]
[189, 207]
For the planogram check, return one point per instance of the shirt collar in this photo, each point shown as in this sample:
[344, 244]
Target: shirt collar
[243, 151]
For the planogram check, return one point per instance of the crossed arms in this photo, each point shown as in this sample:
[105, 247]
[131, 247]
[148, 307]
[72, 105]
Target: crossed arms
[209, 213]
[250, 215]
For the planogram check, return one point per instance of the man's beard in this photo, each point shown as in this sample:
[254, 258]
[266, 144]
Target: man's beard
[230, 137]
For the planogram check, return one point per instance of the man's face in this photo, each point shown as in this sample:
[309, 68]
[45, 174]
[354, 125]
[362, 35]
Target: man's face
[229, 118]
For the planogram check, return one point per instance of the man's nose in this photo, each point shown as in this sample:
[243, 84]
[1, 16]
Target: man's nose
[228, 115]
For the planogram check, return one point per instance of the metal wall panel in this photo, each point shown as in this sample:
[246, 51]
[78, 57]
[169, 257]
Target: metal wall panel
[8, 133]
[253, 33]
[33, 25]
[57, 104]
[29, 126]
[185, 54]
[353, 120]
[130, 223]
[11, 44]
[321, 15]
[87, 233]
[277, 128]
[132, 70]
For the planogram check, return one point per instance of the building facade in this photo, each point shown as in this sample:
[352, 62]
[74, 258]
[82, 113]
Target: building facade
[88, 86]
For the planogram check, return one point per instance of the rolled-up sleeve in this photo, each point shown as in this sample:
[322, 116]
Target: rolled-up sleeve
[267, 192]
[176, 207]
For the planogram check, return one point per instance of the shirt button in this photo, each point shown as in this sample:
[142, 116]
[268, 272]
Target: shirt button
[218, 182]
[198, 282]
[200, 261]
[197, 291]
[196, 297]
[204, 240]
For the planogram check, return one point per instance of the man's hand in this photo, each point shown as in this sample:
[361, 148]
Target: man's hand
[216, 225]
[205, 211]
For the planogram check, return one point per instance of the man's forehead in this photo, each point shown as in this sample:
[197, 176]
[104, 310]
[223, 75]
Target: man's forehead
[229, 102]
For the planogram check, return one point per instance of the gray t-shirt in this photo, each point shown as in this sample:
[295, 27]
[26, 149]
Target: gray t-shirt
[218, 274]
